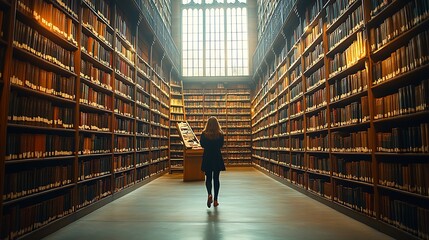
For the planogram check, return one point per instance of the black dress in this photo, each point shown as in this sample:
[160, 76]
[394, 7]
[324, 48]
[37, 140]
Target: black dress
[212, 156]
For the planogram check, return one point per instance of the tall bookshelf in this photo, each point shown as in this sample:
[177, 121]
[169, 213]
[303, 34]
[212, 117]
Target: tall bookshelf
[332, 110]
[230, 104]
[87, 109]
[177, 114]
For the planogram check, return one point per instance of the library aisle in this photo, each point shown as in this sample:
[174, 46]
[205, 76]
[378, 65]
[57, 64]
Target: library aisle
[252, 206]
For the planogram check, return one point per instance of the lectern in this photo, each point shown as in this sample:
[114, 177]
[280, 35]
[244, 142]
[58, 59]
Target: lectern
[192, 153]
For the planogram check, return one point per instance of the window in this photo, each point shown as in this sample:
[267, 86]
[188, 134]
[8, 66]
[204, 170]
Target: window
[214, 38]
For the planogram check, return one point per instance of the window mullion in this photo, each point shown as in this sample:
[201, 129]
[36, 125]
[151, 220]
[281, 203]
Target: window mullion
[225, 19]
[204, 38]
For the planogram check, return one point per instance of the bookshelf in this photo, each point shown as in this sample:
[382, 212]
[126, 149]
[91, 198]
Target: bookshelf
[177, 114]
[230, 104]
[87, 109]
[332, 107]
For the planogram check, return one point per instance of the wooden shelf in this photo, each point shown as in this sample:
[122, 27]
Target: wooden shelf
[343, 16]
[24, 54]
[34, 195]
[399, 41]
[55, 37]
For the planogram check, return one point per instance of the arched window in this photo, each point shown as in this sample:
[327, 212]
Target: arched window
[214, 38]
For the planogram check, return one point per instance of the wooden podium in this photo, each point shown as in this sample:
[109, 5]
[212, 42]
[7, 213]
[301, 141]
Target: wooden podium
[192, 153]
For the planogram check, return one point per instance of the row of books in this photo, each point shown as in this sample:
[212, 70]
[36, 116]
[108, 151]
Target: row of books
[102, 7]
[124, 28]
[296, 126]
[143, 83]
[297, 108]
[92, 97]
[175, 101]
[313, 11]
[297, 160]
[353, 113]
[123, 144]
[239, 138]
[320, 186]
[124, 89]
[357, 198]
[352, 23]
[316, 100]
[142, 99]
[296, 91]
[214, 98]
[124, 69]
[354, 169]
[29, 181]
[142, 159]
[231, 97]
[405, 139]
[319, 164]
[142, 114]
[142, 144]
[94, 167]
[296, 73]
[93, 191]
[294, 55]
[33, 77]
[350, 141]
[28, 145]
[21, 219]
[100, 29]
[414, 221]
[314, 56]
[296, 143]
[95, 49]
[123, 125]
[97, 76]
[408, 99]
[123, 108]
[298, 178]
[94, 144]
[353, 53]
[336, 9]
[313, 34]
[317, 143]
[124, 180]
[378, 5]
[410, 15]
[124, 51]
[29, 110]
[31, 40]
[406, 58]
[50, 17]
[409, 177]
[241, 111]
[143, 128]
[123, 162]
[349, 85]
[95, 121]
[316, 78]
[176, 109]
[177, 118]
[317, 121]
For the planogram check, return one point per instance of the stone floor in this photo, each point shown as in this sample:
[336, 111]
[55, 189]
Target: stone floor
[252, 206]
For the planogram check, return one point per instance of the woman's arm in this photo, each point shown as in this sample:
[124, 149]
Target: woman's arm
[221, 141]
[203, 141]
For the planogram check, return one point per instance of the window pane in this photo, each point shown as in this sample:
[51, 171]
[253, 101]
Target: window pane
[226, 49]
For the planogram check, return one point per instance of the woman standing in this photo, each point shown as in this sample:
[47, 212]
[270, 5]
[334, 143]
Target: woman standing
[212, 141]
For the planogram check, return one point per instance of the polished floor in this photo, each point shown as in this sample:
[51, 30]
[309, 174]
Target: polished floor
[252, 206]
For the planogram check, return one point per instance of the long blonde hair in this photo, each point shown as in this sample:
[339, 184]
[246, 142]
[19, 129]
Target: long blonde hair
[212, 129]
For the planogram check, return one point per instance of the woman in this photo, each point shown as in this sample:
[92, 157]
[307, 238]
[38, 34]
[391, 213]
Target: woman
[212, 141]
